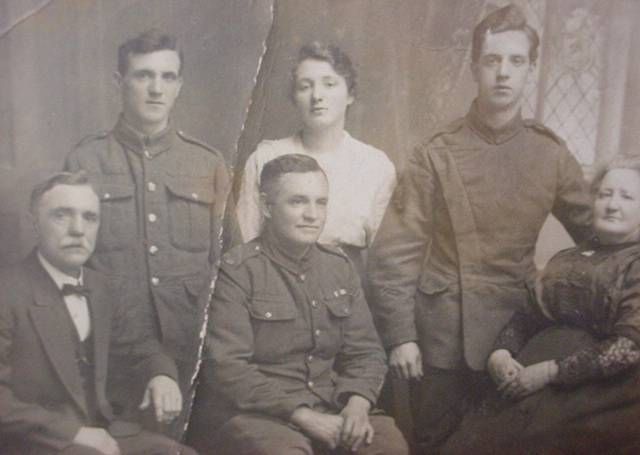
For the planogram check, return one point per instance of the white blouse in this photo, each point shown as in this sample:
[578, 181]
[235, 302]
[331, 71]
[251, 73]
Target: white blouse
[361, 180]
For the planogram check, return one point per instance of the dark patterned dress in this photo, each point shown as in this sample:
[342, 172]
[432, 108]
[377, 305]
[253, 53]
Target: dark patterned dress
[587, 319]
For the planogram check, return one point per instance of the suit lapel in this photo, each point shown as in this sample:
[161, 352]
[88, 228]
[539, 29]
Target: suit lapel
[51, 322]
[99, 306]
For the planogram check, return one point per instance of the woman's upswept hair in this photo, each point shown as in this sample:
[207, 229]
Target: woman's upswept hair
[618, 162]
[338, 59]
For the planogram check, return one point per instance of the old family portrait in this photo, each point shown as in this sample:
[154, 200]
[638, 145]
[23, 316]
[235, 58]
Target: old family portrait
[319, 227]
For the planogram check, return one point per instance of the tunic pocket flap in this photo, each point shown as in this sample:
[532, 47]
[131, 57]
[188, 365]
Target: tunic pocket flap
[110, 191]
[272, 310]
[339, 305]
[191, 191]
[431, 283]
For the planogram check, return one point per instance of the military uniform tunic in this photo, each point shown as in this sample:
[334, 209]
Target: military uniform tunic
[287, 333]
[162, 199]
[455, 250]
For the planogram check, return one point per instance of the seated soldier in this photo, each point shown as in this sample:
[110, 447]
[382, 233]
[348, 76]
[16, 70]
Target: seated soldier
[59, 323]
[292, 355]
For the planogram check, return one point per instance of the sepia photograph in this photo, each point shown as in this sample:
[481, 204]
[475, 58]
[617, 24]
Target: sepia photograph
[319, 227]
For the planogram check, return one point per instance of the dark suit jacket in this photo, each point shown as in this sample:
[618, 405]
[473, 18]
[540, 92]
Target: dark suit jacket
[41, 391]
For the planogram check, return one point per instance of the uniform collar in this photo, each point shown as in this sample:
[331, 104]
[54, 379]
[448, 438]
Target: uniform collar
[275, 251]
[143, 144]
[474, 120]
[59, 277]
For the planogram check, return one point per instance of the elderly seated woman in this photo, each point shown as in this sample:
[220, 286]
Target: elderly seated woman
[573, 384]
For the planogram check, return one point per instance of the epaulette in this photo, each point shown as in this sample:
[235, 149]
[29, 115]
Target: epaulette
[333, 249]
[240, 253]
[92, 137]
[545, 131]
[195, 141]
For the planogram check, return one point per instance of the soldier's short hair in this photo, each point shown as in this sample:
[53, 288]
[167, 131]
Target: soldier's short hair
[79, 178]
[502, 20]
[336, 57]
[285, 164]
[149, 41]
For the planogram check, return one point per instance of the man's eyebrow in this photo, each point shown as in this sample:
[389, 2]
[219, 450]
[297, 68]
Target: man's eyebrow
[61, 208]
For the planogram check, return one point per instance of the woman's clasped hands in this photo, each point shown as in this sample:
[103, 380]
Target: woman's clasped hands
[514, 381]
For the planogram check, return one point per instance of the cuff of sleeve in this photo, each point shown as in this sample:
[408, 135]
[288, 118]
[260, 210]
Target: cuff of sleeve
[397, 334]
[630, 332]
[345, 389]
[286, 408]
[64, 431]
[160, 365]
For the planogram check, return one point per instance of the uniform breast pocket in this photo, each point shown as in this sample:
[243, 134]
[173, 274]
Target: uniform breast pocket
[274, 327]
[339, 308]
[190, 202]
[117, 216]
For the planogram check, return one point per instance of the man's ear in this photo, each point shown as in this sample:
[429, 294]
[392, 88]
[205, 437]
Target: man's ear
[33, 219]
[117, 79]
[180, 81]
[264, 206]
[474, 71]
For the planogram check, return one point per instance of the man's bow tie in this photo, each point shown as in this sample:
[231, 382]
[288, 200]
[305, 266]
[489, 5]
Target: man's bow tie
[72, 289]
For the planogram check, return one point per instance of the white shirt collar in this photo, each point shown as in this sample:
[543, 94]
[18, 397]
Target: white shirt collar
[59, 277]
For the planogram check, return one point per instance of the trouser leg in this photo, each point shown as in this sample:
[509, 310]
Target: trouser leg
[387, 440]
[439, 402]
[146, 443]
[252, 434]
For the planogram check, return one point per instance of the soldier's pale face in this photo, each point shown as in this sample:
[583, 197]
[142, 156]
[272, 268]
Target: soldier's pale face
[502, 70]
[297, 208]
[150, 89]
[66, 223]
[321, 95]
[616, 209]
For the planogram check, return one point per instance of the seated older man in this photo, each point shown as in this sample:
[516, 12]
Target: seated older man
[59, 324]
[292, 355]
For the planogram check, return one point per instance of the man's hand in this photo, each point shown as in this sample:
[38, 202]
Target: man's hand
[530, 380]
[325, 428]
[356, 428]
[405, 361]
[98, 439]
[166, 397]
[502, 367]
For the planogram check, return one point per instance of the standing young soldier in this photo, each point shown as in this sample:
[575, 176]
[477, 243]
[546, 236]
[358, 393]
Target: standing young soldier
[162, 197]
[455, 250]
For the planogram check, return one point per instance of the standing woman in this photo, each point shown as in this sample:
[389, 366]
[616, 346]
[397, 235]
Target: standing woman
[361, 177]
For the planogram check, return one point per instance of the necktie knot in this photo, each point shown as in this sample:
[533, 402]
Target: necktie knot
[75, 289]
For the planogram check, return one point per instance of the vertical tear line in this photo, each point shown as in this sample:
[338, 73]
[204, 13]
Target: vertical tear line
[216, 265]
[4, 31]
[258, 80]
